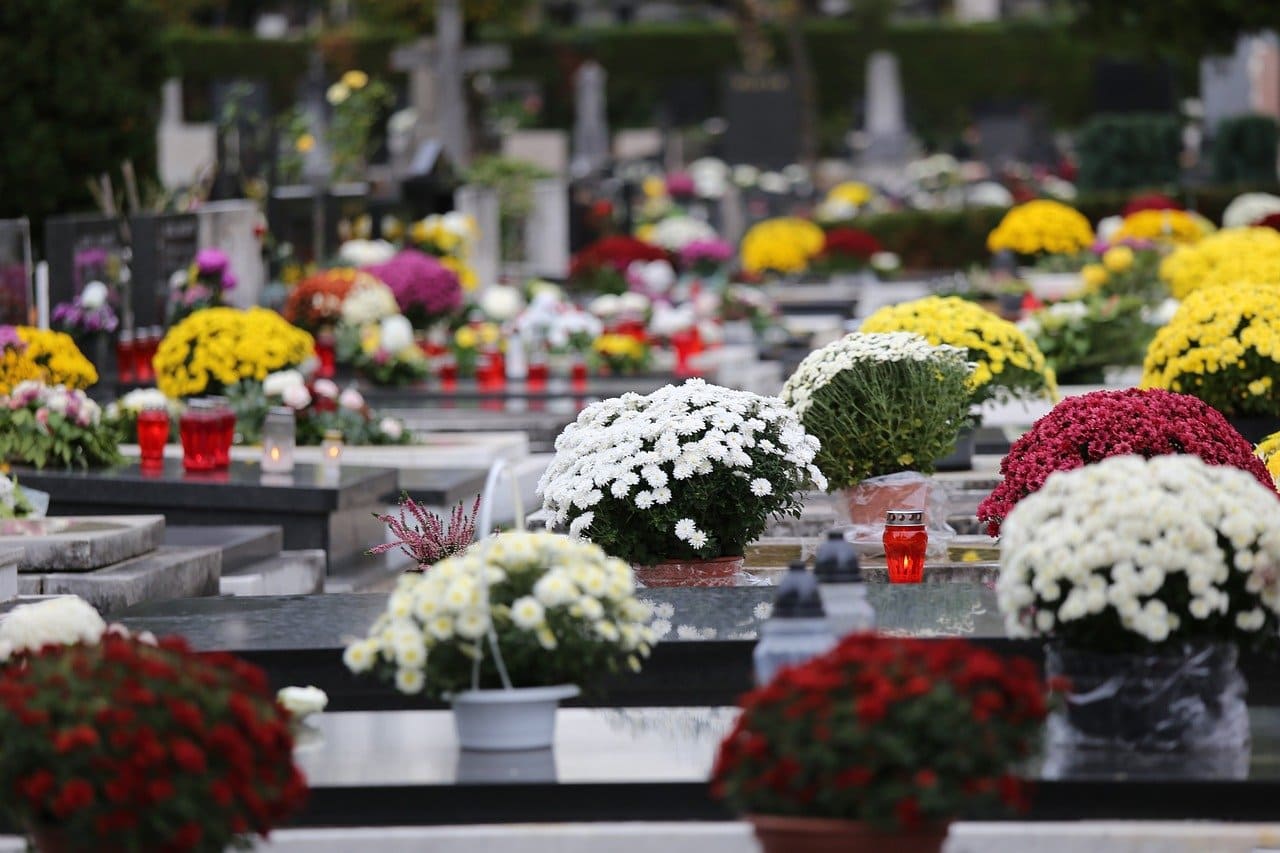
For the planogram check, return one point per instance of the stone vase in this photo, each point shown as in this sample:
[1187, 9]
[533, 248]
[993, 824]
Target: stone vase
[785, 834]
[718, 571]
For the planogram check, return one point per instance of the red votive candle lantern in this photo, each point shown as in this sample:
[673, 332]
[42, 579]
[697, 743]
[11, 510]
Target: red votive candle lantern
[124, 356]
[536, 378]
[153, 435]
[578, 375]
[904, 545]
[198, 430]
[327, 356]
[222, 431]
[447, 371]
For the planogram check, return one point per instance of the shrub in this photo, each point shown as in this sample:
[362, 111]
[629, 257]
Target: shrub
[1244, 150]
[1129, 151]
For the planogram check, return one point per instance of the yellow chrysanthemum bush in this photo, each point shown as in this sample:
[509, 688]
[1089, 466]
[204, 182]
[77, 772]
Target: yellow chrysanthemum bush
[1268, 450]
[216, 347]
[851, 192]
[1229, 256]
[783, 245]
[41, 354]
[1007, 363]
[1162, 226]
[1222, 346]
[1041, 227]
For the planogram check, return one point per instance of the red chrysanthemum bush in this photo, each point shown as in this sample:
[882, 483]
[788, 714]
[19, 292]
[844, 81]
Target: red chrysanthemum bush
[127, 746]
[892, 731]
[601, 267]
[1150, 201]
[846, 249]
[1091, 427]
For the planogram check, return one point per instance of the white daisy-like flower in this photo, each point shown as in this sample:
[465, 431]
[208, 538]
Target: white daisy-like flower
[685, 529]
[527, 613]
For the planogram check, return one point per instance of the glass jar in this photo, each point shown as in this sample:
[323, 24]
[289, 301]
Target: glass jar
[125, 363]
[279, 435]
[905, 540]
[153, 435]
[331, 448]
[223, 431]
[195, 428]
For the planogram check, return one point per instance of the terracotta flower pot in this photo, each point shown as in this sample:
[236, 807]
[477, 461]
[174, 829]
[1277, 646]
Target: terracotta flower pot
[719, 571]
[778, 834]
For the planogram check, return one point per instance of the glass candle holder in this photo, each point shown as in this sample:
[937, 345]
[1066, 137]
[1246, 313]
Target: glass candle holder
[125, 362]
[153, 435]
[194, 428]
[326, 353]
[222, 431]
[331, 448]
[279, 435]
[905, 540]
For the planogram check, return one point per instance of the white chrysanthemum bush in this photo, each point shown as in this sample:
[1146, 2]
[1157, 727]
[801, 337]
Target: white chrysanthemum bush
[881, 403]
[691, 471]
[1130, 552]
[546, 609]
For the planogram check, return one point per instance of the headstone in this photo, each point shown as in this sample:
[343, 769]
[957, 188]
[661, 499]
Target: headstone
[163, 244]
[547, 230]
[887, 138]
[291, 210]
[548, 149]
[590, 123]
[17, 303]
[231, 226]
[1011, 132]
[1247, 81]
[976, 11]
[431, 182]
[638, 143]
[762, 112]
[183, 150]
[481, 204]
[1121, 86]
[81, 249]
[437, 70]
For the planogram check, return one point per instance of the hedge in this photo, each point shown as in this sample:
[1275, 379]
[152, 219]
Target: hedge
[1244, 149]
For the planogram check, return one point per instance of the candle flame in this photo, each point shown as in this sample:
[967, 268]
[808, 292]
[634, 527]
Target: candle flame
[275, 454]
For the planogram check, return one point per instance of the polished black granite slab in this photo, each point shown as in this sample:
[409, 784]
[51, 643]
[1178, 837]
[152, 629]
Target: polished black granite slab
[315, 507]
[608, 764]
[469, 391]
[440, 487]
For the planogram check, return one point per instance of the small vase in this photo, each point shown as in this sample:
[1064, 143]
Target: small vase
[519, 718]
[718, 571]
[779, 834]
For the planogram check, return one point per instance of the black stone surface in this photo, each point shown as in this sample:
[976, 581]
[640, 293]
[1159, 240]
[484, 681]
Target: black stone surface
[440, 487]
[468, 393]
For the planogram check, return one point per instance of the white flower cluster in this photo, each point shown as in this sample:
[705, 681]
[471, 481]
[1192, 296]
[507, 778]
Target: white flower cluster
[821, 366]
[633, 446]
[366, 253]
[1249, 209]
[302, 702]
[451, 604]
[1114, 535]
[676, 232]
[71, 403]
[368, 302]
[553, 320]
[137, 400]
[64, 620]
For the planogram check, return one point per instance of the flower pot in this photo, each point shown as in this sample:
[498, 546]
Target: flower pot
[1178, 701]
[1052, 286]
[779, 834]
[520, 718]
[960, 459]
[1256, 428]
[865, 505]
[719, 571]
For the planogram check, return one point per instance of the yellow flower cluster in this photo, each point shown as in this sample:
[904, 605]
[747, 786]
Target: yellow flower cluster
[620, 346]
[1041, 226]
[1164, 226]
[56, 359]
[1116, 260]
[851, 192]
[449, 237]
[1231, 256]
[1222, 346]
[475, 334]
[782, 245]
[218, 346]
[1005, 358]
[1268, 450]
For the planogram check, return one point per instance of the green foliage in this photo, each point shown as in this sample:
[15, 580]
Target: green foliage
[59, 441]
[1244, 150]
[81, 95]
[1129, 151]
[1190, 27]
[1080, 339]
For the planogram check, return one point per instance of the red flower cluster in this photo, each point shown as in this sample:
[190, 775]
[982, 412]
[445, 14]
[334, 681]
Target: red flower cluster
[1150, 201]
[896, 732]
[849, 243]
[1271, 220]
[157, 746]
[315, 303]
[615, 253]
[1089, 428]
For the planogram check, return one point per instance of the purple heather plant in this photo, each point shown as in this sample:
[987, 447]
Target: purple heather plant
[425, 289]
[423, 536]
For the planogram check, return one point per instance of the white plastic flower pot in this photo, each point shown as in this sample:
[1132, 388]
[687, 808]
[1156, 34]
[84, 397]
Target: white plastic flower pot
[1052, 286]
[520, 718]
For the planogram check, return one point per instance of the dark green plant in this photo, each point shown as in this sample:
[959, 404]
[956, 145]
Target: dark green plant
[81, 96]
[1129, 151]
[1244, 150]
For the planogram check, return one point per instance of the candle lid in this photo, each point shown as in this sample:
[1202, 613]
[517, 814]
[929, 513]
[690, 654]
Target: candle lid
[798, 596]
[280, 412]
[904, 518]
[836, 560]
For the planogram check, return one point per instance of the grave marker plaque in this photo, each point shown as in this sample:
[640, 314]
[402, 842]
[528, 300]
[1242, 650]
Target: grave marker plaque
[163, 244]
[763, 114]
[17, 306]
[81, 249]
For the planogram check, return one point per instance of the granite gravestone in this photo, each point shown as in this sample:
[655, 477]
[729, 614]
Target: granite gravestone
[1124, 86]
[231, 226]
[81, 249]
[17, 305]
[481, 204]
[762, 112]
[1247, 81]
[291, 210]
[546, 237]
[163, 244]
[590, 123]
[887, 140]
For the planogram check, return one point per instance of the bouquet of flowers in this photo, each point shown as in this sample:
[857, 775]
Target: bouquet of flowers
[1041, 227]
[361, 252]
[388, 354]
[558, 325]
[1131, 551]
[315, 303]
[1007, 364]
[881, 403]
[552, 609]
[201, 285]
[902, 734]
[843, 201]
[1229, 257]
[676, 233]
[1268, 450]
[88, 314]
[43, 355]
[619, 354]
[1084, 430]
[601, 267]
[785, 246]
[1162, 226]
[424, 288]
[40, 424]
[689, 471]
[368, 301]
[706, 257]
[147, 745]
[846, 250]
[217, 347]
[447, 235]
[319, 406]
[1079, 338]
[1223, 346]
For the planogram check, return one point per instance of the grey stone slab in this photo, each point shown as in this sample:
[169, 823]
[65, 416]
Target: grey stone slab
[286, 573]
[165, 573]
[9, 559]
[81, 543]
[241, 545]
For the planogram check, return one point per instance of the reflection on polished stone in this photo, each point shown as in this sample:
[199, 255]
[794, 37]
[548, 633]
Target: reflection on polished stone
[1070, 761]
[526, 765]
